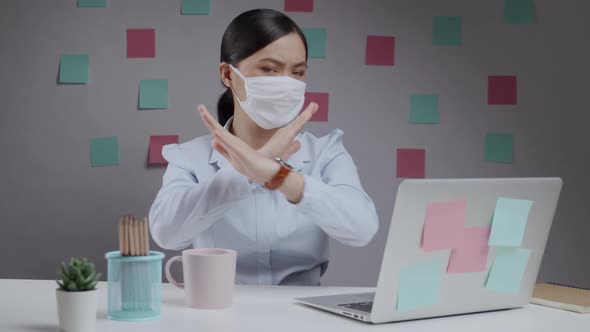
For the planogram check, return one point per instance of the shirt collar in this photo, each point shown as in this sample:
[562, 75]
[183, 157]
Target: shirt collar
[298, 160]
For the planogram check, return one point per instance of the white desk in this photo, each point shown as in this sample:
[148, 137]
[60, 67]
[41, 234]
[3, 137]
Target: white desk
[30, 305]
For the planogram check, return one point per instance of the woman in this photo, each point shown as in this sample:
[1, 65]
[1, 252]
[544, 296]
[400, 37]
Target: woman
[258, 184]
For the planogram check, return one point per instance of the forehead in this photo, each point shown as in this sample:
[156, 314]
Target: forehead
[288, 49]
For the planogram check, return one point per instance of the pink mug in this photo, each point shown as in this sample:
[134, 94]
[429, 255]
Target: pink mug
[209, 277]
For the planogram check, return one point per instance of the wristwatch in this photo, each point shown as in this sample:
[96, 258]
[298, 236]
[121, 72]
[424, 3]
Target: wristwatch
[278, 179]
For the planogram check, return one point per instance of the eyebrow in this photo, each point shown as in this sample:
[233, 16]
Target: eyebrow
[302, 63]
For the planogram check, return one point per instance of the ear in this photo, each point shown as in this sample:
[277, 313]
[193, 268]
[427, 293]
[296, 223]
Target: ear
[225, 74]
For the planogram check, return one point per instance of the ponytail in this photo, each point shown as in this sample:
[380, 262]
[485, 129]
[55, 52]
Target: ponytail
[225, 107]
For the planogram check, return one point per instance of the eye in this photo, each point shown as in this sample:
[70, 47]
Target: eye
[299, 73]
[268, 69]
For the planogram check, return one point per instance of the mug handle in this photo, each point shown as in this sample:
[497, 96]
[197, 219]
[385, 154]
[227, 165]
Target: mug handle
[169, 276]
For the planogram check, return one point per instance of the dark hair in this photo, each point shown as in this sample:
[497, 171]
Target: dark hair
[248, 33]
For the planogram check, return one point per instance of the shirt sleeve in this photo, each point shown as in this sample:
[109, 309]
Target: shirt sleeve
[186, 206]
[336, 201]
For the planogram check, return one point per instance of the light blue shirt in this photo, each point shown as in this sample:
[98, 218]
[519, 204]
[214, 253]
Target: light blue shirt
[205, 202]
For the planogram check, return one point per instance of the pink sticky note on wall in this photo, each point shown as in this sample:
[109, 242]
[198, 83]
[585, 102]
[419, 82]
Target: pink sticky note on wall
[473, 256]
[156, 144]
[380, 51]
[323, 101]
[444, 225]
[502, 90]
[411, 163]
[299, 6]
[141, 43]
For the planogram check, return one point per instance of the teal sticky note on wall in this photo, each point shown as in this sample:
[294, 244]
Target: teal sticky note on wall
[195, 7]
[92, 3]
[508, 269]
[104, 151]
[153, 94]
[509, 221]
[424, 109]
[519, 11]
[316, 42]
[419, 285]
[447, 31]
[73, 68]
[499, 148]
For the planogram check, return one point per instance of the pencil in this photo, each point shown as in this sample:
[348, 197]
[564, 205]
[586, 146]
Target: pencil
[121, 243]
[136, 236]
[126, 236]
[147, 236]
[141, 239]
[132, 236]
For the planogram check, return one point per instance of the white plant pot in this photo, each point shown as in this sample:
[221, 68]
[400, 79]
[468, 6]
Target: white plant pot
[77, 310]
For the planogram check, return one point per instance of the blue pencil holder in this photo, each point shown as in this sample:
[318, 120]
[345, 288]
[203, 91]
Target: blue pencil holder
[134, 286]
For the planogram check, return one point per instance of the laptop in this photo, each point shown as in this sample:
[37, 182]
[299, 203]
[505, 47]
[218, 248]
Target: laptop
[457, 293]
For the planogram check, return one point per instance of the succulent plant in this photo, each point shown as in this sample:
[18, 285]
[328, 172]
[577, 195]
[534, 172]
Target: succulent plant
[79, 276]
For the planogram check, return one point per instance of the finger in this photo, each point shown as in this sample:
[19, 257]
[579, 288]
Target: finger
[228, 154]
[202, 111]
[208, 119]
[225, 140]
[232, 156]
[231, 140]
[291, 150]
[233, 144]
[303, 118]
[219, 147]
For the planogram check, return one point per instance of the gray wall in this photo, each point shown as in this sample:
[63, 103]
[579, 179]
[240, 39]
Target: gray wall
[54, 205]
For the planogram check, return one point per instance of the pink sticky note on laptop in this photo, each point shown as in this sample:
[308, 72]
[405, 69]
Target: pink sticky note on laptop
[323, 101]
[473, 256]
[444, 225]
[156, 144]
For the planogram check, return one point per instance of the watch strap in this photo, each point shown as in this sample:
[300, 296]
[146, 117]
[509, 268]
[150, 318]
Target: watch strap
[278, 179]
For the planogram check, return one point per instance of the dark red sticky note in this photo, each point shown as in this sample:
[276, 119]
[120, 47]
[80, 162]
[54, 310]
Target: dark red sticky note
[156, 144]
[323, 101]
[141, 43]
[380, 51]
[411, 163]
[502, 90]
[299, 6]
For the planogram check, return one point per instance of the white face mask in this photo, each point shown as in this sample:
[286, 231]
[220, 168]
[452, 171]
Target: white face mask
[272, 101]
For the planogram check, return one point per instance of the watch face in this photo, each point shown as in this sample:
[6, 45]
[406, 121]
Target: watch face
[282, 162]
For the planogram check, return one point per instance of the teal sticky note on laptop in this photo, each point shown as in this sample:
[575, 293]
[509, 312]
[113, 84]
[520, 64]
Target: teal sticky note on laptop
[508, 269]
[73, 68]
[509, 221]
[153, 94]
[419, 285]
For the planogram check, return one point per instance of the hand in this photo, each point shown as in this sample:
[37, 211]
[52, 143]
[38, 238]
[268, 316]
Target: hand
[281, 144]
[254, 164]
[247, 161]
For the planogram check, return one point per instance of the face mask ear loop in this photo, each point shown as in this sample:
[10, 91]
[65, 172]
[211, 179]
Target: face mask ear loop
[237, 72]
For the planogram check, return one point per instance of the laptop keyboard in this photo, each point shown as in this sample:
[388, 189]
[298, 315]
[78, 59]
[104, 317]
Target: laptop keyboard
[361, 306]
